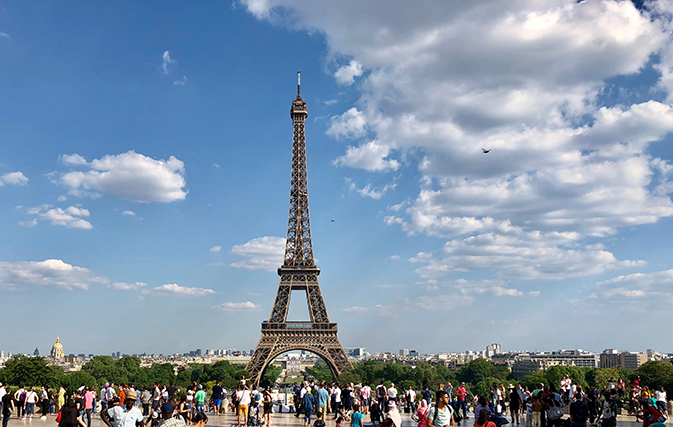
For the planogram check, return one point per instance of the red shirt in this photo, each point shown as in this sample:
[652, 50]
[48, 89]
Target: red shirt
[461, 392]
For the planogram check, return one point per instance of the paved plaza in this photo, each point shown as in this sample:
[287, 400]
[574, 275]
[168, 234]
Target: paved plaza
[279, 420]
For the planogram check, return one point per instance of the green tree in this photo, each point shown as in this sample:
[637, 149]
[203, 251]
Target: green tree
[31, 371]
[73, 380]
[320, 371]
[656, 374]
[271, 375]
[104, 369]
[533, 380]
[477, 371]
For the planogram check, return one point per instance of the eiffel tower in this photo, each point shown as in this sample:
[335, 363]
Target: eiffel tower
[298, 272]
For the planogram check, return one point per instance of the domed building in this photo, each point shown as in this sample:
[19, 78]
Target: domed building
[57, 350]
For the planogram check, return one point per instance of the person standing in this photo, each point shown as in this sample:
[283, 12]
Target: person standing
[410, 397]
[441, 414]
[448, 388]
[3, 391]
[217, 397]
[20, 399]
[514, 405]
[7, 406]
[126, 415]
[243, 397]
[29, 404]
[578, 412]
[427, 394]
[200, 398]
[662, 403]
[365, 398]
[461, 396]
[267, 401]
[88, 405]
[392, 393]
[323, 400]
[381, 394]
[308, 405]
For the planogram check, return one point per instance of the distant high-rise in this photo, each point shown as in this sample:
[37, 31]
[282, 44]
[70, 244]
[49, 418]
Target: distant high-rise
[609, 358]
[413, 353]
[404, 352]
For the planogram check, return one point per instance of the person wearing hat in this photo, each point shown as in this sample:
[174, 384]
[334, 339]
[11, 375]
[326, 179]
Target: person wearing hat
[126, 415]
[167, 418]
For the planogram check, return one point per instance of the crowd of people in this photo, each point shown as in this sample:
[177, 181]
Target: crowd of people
[316, 402]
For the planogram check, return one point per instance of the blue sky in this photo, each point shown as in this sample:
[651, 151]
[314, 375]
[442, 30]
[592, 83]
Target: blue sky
[145, 164]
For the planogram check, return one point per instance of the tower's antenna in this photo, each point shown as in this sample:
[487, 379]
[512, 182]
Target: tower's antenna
[298, 84]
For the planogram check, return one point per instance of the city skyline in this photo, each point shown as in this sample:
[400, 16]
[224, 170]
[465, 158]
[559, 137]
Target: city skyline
[477, 174]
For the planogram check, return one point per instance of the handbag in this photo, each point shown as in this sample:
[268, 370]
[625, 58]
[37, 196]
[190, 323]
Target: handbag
[58, 417]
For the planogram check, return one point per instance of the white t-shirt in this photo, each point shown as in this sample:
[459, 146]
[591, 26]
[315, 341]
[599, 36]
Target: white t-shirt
[2, 392]
[411, 395]
[31, 397]
[392, 393]
[124, 418]
[243, 397]
[337, 394]
[109, 394]
[661, 396]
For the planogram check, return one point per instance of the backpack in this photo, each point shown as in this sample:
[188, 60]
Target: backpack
[381, 392]
[555, 410]
[580, 410]
[654, 416]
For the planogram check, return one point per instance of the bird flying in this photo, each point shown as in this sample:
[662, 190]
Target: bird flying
[485, 150]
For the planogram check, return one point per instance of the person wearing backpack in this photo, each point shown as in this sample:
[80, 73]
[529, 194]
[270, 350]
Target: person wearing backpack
[441, 414]
[578, 412]
[651, 414]
[609, 408]
[381, 393]
[20, 398]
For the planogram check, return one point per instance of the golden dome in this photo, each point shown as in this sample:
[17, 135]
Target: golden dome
[58, 343]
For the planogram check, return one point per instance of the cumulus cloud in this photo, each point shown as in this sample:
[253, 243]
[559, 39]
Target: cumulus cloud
[262, 253]
[370, 156]
[130, 176]
[48, 273]
[215, 249]
[129, 213]
[166, 61]
[177, 291]
[236, 306]
[129, 286]
[13, 178]
[346, 75]
[369, 190]
[566, 163]
[652, 288]
[70, 217]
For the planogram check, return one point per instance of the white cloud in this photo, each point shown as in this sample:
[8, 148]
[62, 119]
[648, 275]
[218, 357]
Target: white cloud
[265, 253]
[177, 290]
[355, 309]
[129, 213]
[395, 257]
[330, 102]
[62, 198]
[370, 156]
[129, 286]
[130, 176]
[70, 217]
[4, 35]
[181, 81]
[215, 249]
[346, 74]
[237, 306]
[351, 124]
[13, 178]
[652, 288]
[29, 224]
[528, 84]
[368, 190]
[73, 159]
[166, 61]
[48, 273]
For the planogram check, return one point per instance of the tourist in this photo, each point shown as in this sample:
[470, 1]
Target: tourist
[336, 393]
[610, 406]
[410, 399]
[216, 396]
[125, 415]
[482, 403]
[484, 419]
[200, 399]
[394, 414]
[356, 418]
[514, 405]
[44, 402]
[20, 399]
[308, 405]
[200, 420]
[461, 396]
[267, 402]
[365, 398]
[554, 403]
[381, 394]
[88, 405]
[375, 413]
[347, 399]
[296, 395]
[621, 387]
[427, 394]
[156, 397]
[319, 421]
[29, 404]
[422, 413]
[167, 418]
[225, 400]
[3, 391]
[323, 400]
[146, 400]
[448, 388]
[392, 393]
[662, 403]
[110, 395]
[651, 414]
[578, 412]
[70, 416]
[441, 414]
[7, 404]
[537, 411]
[243, 397]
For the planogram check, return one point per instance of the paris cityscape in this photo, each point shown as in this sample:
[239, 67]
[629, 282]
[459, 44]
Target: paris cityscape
[488, 239]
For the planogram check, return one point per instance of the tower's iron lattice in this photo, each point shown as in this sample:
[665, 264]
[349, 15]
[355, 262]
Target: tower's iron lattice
[298, 272]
